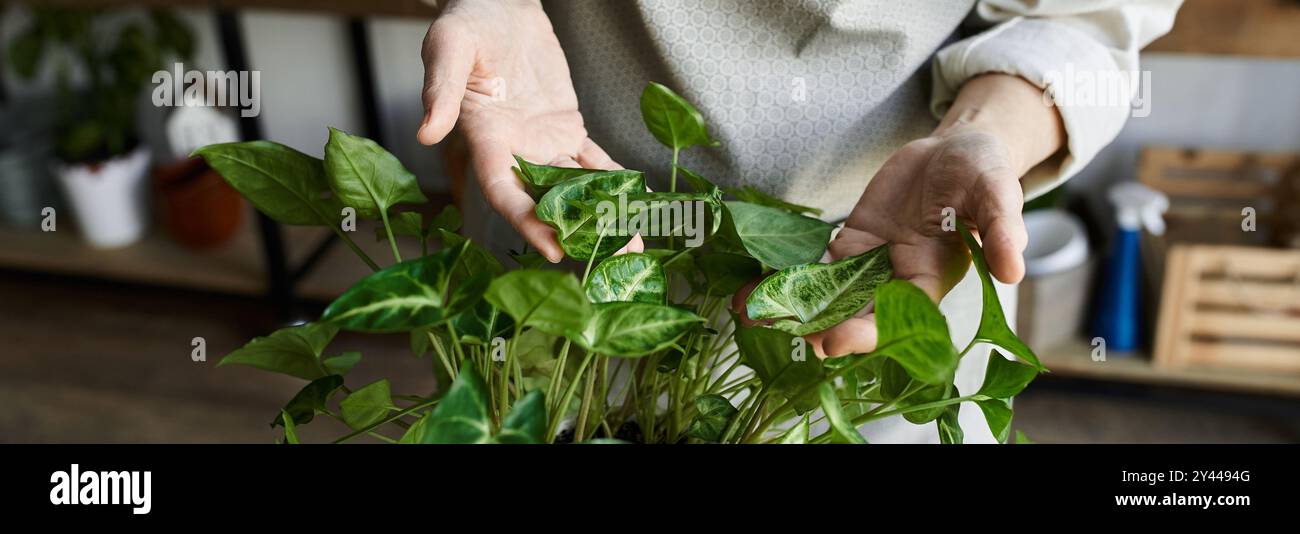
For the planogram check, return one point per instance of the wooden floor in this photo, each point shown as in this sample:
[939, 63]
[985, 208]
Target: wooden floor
[99, 362]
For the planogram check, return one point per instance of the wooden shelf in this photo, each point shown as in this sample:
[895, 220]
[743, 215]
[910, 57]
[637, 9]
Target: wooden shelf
[1259, 28]
[235, 267]
[1074, 360]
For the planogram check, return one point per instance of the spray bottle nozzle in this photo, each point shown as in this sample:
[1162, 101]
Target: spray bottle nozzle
[1138, 206]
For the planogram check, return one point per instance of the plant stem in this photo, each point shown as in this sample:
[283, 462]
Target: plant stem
[392, 241]
[568, 396]
[672, 184]
[873, 415]
[557, 376]
[504, 405]
[355, 249]
[442, 354]
[807, 390]
[588, 391]
[404, 412]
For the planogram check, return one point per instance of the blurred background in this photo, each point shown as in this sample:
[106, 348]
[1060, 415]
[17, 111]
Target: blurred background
[1179, 246]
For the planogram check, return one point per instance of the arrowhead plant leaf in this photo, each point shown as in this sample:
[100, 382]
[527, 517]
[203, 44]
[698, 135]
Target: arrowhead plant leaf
[913, 332]
[281, 182]
[310, 400]
[549, 301]
[773, 356]
[632, 329]
[672, 120]
[842, 429]
[814, 297]
[993, 322]
[461, 417]
[526, 421]
[294, 351]
[577, 228]
[366, 177]
[541, 178]
[712, 415]
[411, 294]
[368, 405]
[774, 236]
[627, 278]
[1004, 378]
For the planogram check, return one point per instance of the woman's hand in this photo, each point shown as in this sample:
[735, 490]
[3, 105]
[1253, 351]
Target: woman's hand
[496, 68]
[970, 168]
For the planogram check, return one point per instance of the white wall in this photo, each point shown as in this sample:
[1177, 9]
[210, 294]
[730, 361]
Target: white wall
[1203, 101]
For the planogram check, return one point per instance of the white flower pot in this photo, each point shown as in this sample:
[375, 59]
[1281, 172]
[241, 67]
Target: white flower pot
[109, 199]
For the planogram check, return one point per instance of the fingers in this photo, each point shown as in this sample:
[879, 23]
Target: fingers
[448, 60]
[591, 156]
[851, 242]
[738, 302]
[635, 245]
[1002, 229]
[505, 193]
[857, 335]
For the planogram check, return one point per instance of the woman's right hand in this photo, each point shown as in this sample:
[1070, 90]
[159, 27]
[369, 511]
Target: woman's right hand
[496, 68]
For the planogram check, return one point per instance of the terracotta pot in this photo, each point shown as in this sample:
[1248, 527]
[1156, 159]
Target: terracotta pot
[199, 209]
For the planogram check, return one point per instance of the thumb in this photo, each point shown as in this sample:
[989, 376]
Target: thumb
[448, 60]
[1002, 229]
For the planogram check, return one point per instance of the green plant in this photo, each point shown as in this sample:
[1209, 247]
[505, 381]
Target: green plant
[528, 349]
[97, 121]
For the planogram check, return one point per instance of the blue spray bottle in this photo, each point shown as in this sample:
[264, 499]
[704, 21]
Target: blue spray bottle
[1118, 319]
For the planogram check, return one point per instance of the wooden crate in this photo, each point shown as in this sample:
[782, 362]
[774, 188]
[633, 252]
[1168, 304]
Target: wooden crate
[1230, 307]
[1209, 188]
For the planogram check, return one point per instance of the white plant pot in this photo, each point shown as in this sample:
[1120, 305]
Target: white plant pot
[109, 199]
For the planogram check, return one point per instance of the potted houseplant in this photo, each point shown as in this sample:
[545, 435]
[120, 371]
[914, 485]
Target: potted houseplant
[26, 187]
[101, 164]
[637, 347]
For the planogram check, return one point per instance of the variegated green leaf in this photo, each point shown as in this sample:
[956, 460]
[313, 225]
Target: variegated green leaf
[712, 415]
[577, 228]
[950, 432]
[814, 297]
[633, 328]
[482, 322]
[627, 278]
[409, 295]
[461, 417]
[541, 178]
[550, 301]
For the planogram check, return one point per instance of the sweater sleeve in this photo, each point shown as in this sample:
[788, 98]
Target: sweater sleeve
[1082, 53]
